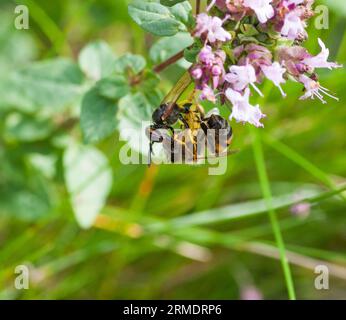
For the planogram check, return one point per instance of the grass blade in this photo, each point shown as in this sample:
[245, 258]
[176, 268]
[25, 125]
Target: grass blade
[265, 186]
[300, 161]
[240, 211]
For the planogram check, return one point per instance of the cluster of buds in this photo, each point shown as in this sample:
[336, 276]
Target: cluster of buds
[246, 41]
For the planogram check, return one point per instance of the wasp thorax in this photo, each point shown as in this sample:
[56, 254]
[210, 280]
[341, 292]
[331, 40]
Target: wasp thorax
[159, 114]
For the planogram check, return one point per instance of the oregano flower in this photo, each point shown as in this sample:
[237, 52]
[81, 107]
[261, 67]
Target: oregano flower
[255, 40]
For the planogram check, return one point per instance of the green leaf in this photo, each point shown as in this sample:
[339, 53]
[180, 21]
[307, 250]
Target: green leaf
[97, 116]
[133, 62]
[191, 53]
[24, 128]
[183, 12]
[154, 98]
[170, 3]
[17, 48]
[114, 87]
[150, 81]
[240, 210]
[96, 60]
[244, 38]
[168, 47]
[44, 163]
[50, 84]
[248, 30]
[25, 204]
[133, 116]
[155, 18]
[88, 178]
[10, 98]
[24, 192]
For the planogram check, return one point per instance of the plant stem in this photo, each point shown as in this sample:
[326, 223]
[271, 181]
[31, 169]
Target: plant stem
[341, 52]
[159, 68]
[265, 186]
[198, 7]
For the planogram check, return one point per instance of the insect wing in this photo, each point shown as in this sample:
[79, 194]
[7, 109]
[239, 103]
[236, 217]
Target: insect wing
[215, 111]
[174, 95]
[221, 155]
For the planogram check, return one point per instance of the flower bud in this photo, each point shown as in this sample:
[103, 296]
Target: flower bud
[196, 73]
[216, 70]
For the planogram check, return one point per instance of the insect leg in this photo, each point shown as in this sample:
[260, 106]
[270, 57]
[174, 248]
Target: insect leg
[150, 153]
[182, 119]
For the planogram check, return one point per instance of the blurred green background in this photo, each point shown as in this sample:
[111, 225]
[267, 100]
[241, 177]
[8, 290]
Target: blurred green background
[167, 232]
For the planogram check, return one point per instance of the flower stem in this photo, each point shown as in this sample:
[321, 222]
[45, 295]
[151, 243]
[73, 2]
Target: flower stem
[198, 7]
[265, 186]
[159, 68]
[211, 4]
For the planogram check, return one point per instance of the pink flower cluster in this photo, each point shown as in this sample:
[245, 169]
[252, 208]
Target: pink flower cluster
[231, 63]
[209, 69]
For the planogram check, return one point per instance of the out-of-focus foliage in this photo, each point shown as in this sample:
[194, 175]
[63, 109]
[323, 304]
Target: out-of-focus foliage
[68, 87]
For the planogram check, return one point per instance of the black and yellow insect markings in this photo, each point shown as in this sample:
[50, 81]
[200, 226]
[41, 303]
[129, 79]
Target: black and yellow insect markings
[189, 116]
